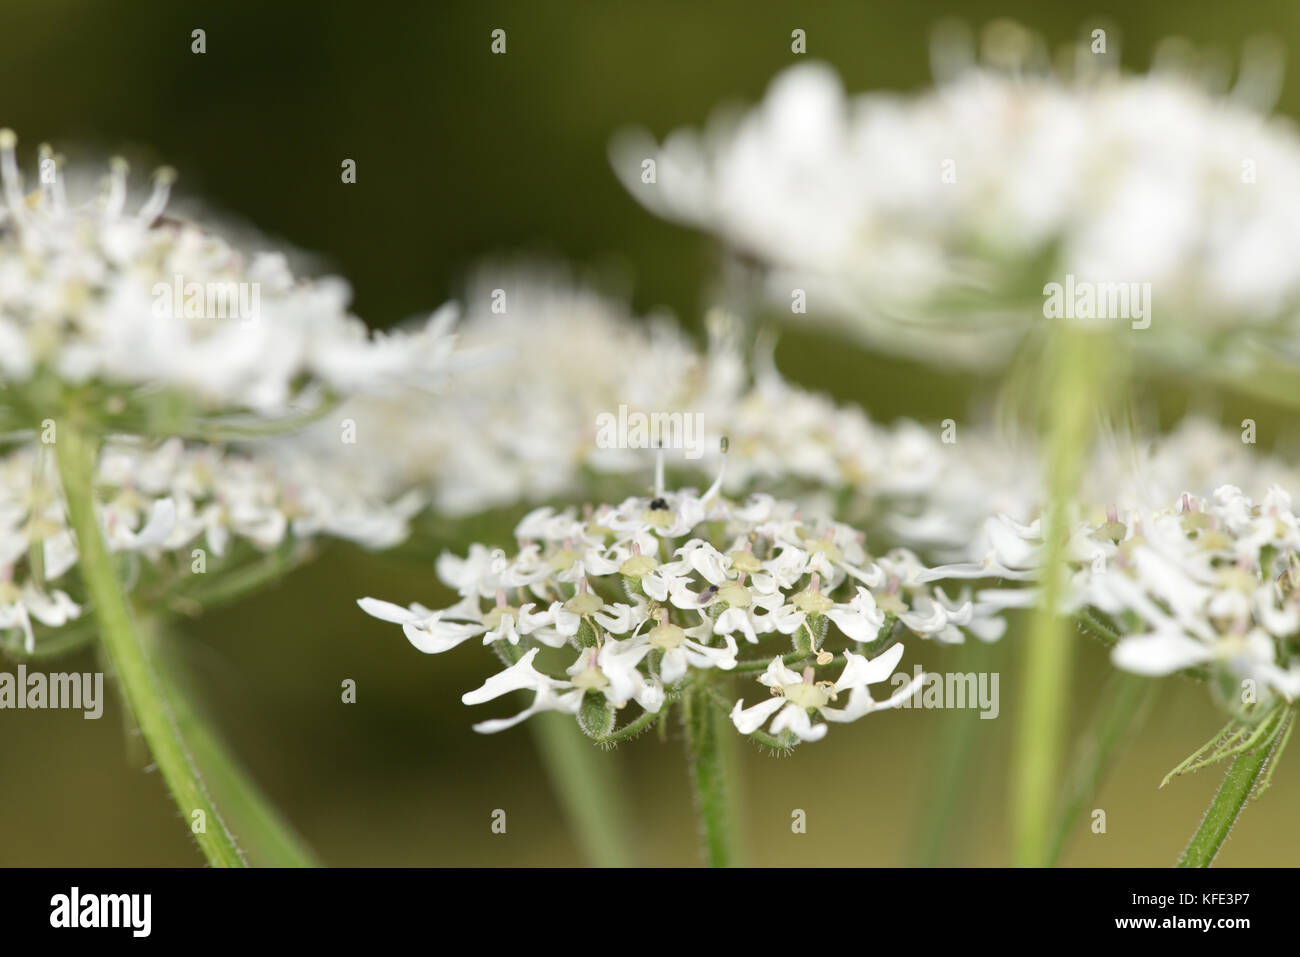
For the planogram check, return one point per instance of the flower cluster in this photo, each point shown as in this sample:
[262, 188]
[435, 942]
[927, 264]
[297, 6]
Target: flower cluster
[160, 503]
[133, 302]
[912, 217]
[1206, 585]
[1209, 584]
[653, 598]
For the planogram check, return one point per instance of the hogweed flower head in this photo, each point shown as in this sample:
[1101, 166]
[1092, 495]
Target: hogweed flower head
[666, 593]
[1206, 584]
[932, 223]
[156, 323]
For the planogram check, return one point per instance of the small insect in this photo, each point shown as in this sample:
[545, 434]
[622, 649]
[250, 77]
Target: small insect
[706, 596]
[659, 504]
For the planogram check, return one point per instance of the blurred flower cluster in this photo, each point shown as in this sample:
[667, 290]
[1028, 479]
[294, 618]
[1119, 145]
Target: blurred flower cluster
[928, 223]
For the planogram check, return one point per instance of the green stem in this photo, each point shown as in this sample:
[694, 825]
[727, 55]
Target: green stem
[76, 453]
[585, 782]
[267, 837]
[1071, 364]
[1225, 808]
[707, 754]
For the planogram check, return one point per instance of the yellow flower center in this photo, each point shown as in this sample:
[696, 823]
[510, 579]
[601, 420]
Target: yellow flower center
[736, 595]
[493, 618]
[637, 566]
[806, 695]
[590, 678]
[812, 602]
[584, 603]
[666, 637]
[563, 559]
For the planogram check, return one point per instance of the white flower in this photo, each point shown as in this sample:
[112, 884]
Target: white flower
[551, 694]
[633, 627]
[885, 208]
[1204, 583]
[92, 291]
[796, 698]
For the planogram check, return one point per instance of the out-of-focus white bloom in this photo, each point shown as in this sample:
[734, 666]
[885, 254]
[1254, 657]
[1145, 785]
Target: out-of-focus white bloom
[931, 222]
[93, 292]
[523, 429]
[662, 587]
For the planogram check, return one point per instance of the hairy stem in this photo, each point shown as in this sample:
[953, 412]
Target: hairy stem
[76, 454]
[711, 773]
[267, 838]
[1226, 807]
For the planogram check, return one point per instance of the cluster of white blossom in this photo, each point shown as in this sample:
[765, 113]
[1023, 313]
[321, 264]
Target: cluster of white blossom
[1211, 583]
[628, 602]
[1205, 583]
[930, 223]
[94, 293]
[138, 324]
[167, 500]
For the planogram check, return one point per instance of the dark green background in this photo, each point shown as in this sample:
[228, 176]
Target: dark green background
[462, 154]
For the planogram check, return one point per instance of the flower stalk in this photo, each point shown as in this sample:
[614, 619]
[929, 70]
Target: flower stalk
[1251, 771]
[1073, 362]
[76, 452]
[711, 776]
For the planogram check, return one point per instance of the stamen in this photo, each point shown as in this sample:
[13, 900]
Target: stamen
[45, 154]
[501, 598]
[157, 202]
[116, 198]
[722, 471]
[808, 674]
[60, 194]
[1112, 514]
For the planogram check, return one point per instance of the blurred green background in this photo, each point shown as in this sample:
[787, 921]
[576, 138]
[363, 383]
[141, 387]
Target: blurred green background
[462, 155]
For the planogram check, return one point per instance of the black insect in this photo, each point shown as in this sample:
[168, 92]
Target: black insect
[659, 504]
